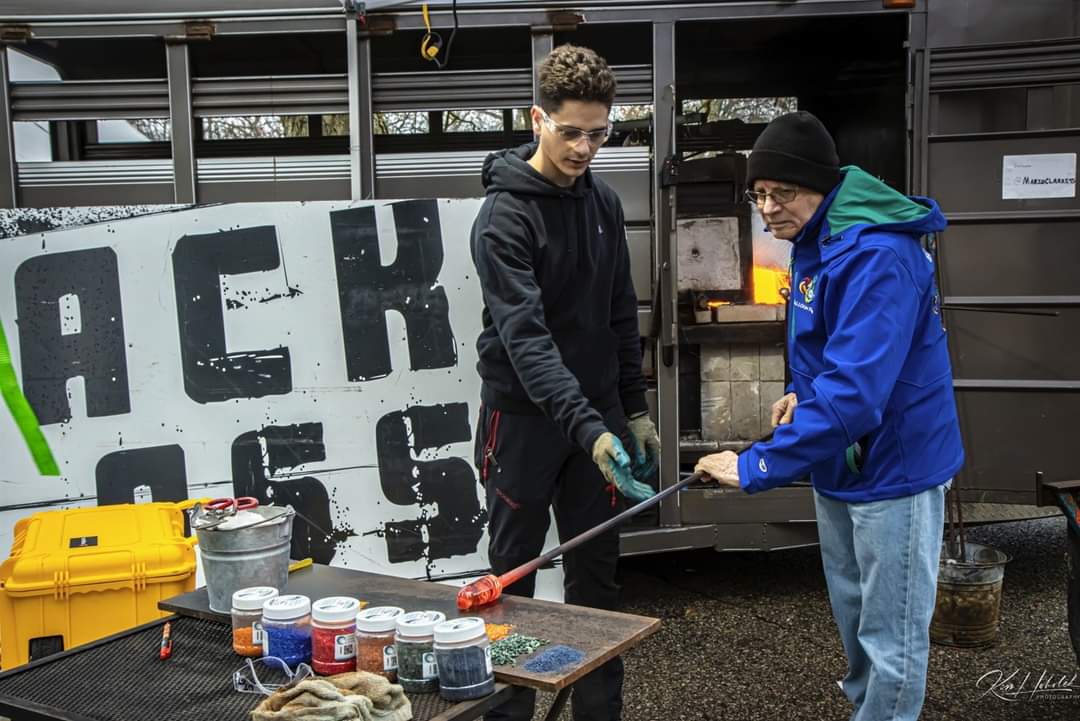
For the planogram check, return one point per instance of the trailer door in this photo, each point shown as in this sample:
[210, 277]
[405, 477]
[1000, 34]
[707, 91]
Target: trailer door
[997, 133]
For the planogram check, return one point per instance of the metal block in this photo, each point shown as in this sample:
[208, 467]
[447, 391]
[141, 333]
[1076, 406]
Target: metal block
[716, 411]
[746, 410]
[772, 362]
[749, 313]
[715, 363]
[745, 362]
[708, 250]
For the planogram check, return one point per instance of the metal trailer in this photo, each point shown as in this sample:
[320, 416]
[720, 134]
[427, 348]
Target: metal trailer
[938, 97]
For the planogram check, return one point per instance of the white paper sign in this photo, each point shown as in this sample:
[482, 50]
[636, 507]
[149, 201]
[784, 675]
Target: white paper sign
[1050, 175]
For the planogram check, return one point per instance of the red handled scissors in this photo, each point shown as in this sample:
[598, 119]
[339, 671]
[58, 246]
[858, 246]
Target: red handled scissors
[231, 505]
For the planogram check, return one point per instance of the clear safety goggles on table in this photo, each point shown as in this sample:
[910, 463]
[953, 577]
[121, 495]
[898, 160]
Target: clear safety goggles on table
[246, 678]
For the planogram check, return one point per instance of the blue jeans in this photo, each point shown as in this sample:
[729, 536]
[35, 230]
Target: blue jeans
[881, 567]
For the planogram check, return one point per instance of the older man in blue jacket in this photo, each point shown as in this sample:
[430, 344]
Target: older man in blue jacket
[870, 414]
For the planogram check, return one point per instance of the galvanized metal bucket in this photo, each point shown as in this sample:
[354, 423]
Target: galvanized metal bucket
[968, 596]
[235, 557]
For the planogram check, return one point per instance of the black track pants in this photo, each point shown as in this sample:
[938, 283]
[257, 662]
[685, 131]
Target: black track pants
[527, 466]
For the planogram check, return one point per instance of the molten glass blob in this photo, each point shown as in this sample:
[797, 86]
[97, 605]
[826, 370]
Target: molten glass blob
[480, 592]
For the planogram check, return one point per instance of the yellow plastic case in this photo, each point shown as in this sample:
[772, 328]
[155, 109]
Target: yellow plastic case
[78, 575]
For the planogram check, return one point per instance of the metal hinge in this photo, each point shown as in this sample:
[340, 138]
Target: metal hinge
[376, 25]
[15, 34]
[194, 31]
[560, 22]
[200, 30]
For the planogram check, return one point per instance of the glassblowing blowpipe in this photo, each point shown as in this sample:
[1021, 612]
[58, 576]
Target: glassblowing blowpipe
[487, 590]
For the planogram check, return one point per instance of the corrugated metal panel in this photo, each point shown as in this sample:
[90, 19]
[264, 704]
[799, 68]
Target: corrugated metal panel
[114, 172]
[270, 95]
[467, 89]
[422, 165]
[452, 90]
[73, 10]
[302, 167]
[295, 95]
[1029, 64]
[635, 84]
[90, 99]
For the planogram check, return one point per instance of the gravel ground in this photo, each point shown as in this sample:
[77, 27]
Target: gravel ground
[750, 636]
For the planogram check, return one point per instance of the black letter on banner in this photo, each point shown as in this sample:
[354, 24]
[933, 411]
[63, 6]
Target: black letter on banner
[450, 484]
[367, 289]
[54, 347]
[161, 469]
[288, 447]
[211, 373]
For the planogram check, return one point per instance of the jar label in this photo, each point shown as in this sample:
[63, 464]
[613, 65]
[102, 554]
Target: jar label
[389, 658]
[344, 647]
[257, 635]
[487, 658]
[431, 666]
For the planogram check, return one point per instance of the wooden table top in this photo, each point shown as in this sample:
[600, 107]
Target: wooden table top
[600, 635]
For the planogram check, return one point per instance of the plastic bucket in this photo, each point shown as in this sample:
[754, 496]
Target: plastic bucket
[235, 556]
[968, 607]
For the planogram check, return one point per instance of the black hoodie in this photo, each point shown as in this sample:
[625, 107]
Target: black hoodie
[560, 315]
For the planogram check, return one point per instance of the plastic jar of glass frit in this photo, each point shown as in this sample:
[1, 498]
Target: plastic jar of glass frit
[375, 629]
[418, 671]
[333, 635]
[287, 628]
[463, 653]
[247, 629]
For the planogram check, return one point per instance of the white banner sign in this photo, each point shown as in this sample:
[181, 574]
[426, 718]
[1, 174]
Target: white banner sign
[1051, 175]
[317, 354]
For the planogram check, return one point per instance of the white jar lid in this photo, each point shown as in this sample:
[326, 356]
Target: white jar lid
[286, 608]
[253, 598]
[335, 608]
[460, 629]
[419, 623]
[379, 619]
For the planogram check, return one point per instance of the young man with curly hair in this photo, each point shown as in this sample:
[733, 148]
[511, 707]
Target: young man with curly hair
[563, 421]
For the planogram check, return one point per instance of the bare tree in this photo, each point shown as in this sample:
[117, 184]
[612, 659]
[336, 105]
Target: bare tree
[748, 110]
[631, 112]
[472, 121]
[336, 124]
[401, 123]
[241, 127]
[153, 128]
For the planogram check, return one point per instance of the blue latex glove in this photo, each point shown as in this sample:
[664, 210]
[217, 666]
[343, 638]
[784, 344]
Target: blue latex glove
[614, 462]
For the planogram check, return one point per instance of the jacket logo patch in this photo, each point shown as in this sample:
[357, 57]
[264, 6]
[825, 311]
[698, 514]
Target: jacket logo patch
[807, 290]
[762, 466]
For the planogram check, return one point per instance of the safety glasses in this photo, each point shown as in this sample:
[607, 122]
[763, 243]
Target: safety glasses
[572, 135]
[780, 196]
[246, 678]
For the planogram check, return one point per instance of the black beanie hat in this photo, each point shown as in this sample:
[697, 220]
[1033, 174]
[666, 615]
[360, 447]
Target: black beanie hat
[795, 148]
